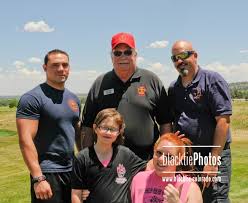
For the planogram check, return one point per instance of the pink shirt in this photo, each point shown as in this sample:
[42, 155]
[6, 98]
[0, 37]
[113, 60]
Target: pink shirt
[105, 162]
[147, 186]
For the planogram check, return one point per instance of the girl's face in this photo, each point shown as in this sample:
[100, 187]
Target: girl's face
[165, 158]
[107, 131]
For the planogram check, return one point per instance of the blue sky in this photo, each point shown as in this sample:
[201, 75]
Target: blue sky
[218, 30]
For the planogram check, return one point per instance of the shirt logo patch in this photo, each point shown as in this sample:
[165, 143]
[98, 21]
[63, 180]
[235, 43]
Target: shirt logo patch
[141, 90]
[121, 171]
[73, 105]
[108, 91]
[197, 93]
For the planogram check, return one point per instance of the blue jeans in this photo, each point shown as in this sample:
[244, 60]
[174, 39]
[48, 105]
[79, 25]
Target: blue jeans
[218, 192]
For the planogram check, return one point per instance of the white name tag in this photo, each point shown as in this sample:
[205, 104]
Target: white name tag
[109, 91]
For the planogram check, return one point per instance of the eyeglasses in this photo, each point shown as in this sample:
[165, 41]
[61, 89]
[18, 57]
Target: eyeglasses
[183, 55]
[105, 129]
[127, 52]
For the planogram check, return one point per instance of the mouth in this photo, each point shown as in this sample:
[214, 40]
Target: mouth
[123, 63]
[107, 137]
[183, 69]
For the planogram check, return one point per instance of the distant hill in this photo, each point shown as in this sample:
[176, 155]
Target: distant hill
[239, 90]
[239, 85]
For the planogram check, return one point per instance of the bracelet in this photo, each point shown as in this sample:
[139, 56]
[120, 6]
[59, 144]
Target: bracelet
[38, 179]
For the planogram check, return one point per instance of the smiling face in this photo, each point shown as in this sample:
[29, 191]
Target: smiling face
[107, 131]
[164, 158]
[124, 65]
[186, 67]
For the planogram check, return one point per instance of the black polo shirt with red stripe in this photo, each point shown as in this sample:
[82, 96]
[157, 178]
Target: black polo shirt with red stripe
[142, 101]
[108, 184]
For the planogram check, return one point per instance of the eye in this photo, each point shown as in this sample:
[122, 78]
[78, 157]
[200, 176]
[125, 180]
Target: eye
[159, 153]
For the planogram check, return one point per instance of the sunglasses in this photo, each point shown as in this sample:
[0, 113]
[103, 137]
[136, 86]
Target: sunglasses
[127, 52]
[183, 55]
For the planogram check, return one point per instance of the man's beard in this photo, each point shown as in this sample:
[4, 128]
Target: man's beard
[183, 72]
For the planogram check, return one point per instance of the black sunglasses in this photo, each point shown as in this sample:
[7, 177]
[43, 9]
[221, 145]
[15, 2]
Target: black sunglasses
[127, 52]
[183, 55]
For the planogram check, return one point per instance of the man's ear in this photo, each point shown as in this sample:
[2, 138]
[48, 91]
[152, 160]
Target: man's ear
[44, 67]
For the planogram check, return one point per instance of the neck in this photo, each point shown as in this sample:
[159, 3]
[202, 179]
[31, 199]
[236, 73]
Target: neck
[59, 86]
[103, 148]
[124, 77]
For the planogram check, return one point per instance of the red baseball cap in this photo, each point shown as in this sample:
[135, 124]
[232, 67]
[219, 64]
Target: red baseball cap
[123, 38]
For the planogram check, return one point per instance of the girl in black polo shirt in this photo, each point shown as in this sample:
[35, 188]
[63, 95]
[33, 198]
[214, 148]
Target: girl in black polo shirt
[105, 169]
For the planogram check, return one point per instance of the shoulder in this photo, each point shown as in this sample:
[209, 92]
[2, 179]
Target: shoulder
[148, 74]
[212, 76]
[172, 84]
[31, 96]
[106, 75]
[101, 80]
[124, 150]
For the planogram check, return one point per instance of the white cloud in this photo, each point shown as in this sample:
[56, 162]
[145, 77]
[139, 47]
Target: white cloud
[243, 51]
[34, 60]
[21, 78]
[140, 60]
[19, 64]
[39, 26]
[231, 73]
[158, 44]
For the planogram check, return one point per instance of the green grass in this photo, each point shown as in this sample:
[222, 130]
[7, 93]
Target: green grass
[14, 176]
[6, 133]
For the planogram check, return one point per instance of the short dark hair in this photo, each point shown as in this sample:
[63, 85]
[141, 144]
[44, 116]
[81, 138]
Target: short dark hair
[111, 113]
[54, 51]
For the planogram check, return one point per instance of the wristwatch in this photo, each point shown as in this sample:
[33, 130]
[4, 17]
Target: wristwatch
[38, 179]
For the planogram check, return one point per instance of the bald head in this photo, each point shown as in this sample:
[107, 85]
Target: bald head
[180, 46]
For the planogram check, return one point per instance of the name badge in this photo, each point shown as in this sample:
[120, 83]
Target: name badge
[109, 91]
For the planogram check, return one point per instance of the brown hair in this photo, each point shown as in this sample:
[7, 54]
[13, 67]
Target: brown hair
[111, 113]
[54, 51]
[178, 141]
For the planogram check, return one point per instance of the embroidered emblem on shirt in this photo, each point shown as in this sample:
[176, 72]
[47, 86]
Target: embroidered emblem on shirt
[197, 93]
[141, 90]
[120, 173]
[73, 105]
[108, 91]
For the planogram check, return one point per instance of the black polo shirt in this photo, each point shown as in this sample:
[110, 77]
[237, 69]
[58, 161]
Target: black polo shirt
[106, 184]
[142, 101]
[196, 106]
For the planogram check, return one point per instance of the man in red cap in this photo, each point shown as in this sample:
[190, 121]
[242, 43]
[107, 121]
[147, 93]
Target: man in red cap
[136, 93]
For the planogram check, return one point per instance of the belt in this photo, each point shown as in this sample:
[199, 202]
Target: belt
[227, 145]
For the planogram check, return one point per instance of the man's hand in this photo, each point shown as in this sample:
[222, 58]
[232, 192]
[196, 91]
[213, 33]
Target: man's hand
[209, 171]
[85, 194]
[171, 194]
[43, 190]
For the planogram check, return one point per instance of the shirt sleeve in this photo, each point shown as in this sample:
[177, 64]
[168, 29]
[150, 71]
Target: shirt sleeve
[28, 107]
[78, 180]
[136, 163]
[220, 102]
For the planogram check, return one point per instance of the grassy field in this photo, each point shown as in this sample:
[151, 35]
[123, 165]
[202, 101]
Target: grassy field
[14, 177]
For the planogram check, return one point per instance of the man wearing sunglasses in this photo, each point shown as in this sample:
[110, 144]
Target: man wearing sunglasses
[201, 104]
[136, 93]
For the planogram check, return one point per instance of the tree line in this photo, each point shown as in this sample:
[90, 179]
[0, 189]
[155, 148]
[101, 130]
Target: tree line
[239, 90]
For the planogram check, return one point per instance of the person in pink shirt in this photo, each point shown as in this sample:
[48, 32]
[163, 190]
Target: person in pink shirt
[164, 184]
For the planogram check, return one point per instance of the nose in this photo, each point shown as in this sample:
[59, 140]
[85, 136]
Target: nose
[60, 68]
